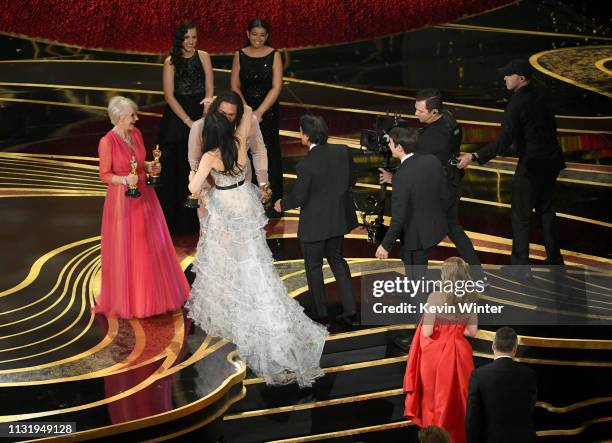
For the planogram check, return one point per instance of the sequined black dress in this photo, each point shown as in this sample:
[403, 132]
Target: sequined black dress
[255, 82]
[189, 91]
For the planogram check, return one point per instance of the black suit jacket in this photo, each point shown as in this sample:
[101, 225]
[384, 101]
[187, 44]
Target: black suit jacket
[325, 177]
[501, 398]
[418, 202]
[530, 124]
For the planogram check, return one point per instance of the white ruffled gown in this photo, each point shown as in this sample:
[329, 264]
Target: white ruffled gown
[238, 295]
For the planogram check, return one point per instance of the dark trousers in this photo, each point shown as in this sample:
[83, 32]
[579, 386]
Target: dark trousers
[173, 190]
[415, 264]
[457, 235]
[331, 249]
[529, 192]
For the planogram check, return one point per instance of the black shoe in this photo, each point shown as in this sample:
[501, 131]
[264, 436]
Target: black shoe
[518, 274]
[348, 321]
[403, 343]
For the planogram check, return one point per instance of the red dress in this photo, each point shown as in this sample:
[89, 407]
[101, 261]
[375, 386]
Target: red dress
[141, 275]
[437, 377]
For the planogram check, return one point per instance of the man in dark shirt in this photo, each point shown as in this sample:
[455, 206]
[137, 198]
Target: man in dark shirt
[441, 137]
[529, 122]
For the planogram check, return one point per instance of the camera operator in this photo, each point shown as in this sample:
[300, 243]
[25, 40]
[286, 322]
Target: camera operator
[419, 198]
[441, 137]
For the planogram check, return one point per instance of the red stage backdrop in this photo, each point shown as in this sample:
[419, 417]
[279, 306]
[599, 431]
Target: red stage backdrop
[147, 25]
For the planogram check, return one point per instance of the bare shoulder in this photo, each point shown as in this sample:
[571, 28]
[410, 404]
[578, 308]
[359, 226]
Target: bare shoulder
[203, 55]
[168, 61]
[436, 298]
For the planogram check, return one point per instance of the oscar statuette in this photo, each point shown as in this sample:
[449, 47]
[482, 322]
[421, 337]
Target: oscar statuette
[153, 178]
[133, 189]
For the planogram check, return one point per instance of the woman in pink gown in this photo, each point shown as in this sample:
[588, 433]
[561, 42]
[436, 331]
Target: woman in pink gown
[141, 275]
[440, 360]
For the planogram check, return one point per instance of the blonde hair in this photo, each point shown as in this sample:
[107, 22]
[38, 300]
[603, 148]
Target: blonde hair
[117, 108]
[455, 269]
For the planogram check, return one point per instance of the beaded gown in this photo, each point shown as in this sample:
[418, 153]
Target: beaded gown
[189, 91]
[238, 295]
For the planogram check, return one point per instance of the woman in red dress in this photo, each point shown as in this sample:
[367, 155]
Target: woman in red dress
[440, 360]
[141, 275]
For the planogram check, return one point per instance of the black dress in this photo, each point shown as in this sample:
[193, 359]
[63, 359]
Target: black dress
[189, 91]
[255, 82]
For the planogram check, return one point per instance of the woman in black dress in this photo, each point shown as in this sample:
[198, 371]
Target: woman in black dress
[188, 85]
[257, 75]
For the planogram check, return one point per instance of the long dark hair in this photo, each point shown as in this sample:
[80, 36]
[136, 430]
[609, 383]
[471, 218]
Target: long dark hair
[218, 132]
[232, 98]
[176, 53]
[258, 23]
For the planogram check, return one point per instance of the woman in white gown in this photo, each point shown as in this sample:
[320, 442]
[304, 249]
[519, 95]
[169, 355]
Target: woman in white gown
[237, 293]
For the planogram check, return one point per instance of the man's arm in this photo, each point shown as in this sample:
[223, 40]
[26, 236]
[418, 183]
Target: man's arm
[399, 203]
[473, 412]
[259, 152]
[352, 168]
[510, 122]
[300, 190]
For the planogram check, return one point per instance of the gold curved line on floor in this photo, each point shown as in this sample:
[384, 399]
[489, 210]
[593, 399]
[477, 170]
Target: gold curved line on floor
[71, 267]
[68, 104]
[535, 61]
[565, 302]
[609, 295]
[316, 404]
[52, 162]
[518, 31]
[26, 155]
[550, 362]
[50, 193]
[347, 432]
[40, 262]
[573, 406]
[552, 342]
[473, 200]
[601, 65]
[42, 186]
[83, 88]
[588, 283]
[298, 81]
[7, 170]
[159, 373]
[30, 162]
[574, 431]
[68, 184]
[85, 274]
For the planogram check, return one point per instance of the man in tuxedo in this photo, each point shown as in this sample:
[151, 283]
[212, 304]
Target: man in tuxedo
[501, 396]
[418, 204]
[530, 124]
[324, 178]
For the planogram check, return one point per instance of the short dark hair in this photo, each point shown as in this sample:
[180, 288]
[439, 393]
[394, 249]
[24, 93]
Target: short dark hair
[433, 434]
[232, 98]
[505, 340]
[315, 128]
[405, 137]
[432, 98]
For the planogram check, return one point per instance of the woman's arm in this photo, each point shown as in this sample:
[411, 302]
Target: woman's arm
[472, 327]
[235, 77]
[197, 182]
[105, 154]
[168, 83]
[208, 75]
[277, 85]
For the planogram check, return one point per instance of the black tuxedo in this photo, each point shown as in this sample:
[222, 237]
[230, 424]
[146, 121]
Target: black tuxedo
[325, 177]
[501, 398]
[418, 203]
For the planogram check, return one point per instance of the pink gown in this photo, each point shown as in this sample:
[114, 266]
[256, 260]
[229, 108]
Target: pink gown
[141, 275]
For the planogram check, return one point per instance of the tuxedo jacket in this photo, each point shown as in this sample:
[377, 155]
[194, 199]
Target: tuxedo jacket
[501, 398]
[418, 204]
[324, 179]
